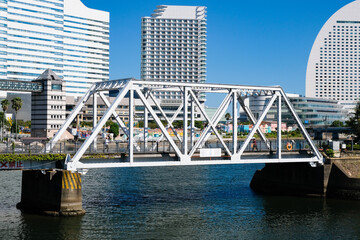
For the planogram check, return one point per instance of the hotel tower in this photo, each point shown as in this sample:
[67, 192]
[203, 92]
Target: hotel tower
[334, 62]
[173, 48]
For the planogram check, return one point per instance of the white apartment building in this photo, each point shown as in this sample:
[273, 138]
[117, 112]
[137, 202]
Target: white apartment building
[173, 48]
[334, 62]
[63, 35]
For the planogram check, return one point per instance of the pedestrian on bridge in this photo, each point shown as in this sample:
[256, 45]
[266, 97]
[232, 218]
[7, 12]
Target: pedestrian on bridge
[106, 144]
[254, 145]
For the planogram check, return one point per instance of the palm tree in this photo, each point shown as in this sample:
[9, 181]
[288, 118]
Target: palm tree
[16, 105]
[5, 105]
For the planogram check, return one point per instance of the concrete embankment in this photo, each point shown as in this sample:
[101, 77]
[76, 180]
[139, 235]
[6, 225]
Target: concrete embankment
[338, 178]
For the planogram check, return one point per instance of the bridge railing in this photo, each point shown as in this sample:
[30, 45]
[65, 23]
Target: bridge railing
[114, 147]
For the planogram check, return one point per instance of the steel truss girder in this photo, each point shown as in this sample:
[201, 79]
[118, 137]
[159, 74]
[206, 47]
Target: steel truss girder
[234, 94]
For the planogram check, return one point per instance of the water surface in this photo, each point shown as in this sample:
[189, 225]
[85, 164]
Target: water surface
[195, 202]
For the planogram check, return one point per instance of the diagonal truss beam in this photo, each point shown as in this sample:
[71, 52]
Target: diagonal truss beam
[300, 124]
[118, 119]
[70, 118]
[253, 120]
[159, 123]
[71, 165]
[216, 118]
[169, 123]
[211, 123]
[257, 125]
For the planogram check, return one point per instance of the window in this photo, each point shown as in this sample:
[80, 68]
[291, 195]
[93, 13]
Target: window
[56, 87]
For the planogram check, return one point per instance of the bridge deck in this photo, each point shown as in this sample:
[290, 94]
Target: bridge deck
[155, 159]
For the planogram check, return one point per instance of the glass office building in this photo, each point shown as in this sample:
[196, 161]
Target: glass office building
[63, 35]
[313, 112]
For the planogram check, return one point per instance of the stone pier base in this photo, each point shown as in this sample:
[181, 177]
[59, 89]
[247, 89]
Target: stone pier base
[331, 180]
[56, 193]
[290, 179]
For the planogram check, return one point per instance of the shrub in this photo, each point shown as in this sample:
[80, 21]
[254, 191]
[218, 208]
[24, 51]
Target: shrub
[24, 157]
[355, 146]
[329, 152]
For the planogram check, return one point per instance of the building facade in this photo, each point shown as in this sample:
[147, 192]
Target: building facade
[48, 106]
[312, 111]
[173, 48]
[63, 35]
[334, 62]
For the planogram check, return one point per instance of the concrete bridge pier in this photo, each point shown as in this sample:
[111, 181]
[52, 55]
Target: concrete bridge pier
[56, 193]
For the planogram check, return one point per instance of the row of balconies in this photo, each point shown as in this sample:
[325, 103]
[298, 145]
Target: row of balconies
[175, 73]
[170, 69]
[182, 61]
[148, 47]
[193, 30]
[170, 41]
[195, 54]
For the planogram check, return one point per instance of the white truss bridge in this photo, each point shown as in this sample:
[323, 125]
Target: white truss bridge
[186, 149]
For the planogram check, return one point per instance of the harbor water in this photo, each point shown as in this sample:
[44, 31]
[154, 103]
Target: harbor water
[197, 202]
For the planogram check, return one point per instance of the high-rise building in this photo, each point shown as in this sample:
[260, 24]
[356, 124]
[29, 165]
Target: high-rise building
[63, 35]
[334, 62]
[173, 48]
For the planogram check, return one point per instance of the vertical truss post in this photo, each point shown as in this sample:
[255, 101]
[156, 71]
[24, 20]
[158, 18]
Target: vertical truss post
[95, 119]
[146, 127]
[185, 120]
[279, 128]
[192, 136]
[131, 125]
[235, 124]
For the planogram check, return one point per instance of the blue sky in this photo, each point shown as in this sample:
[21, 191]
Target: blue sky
[260, 42]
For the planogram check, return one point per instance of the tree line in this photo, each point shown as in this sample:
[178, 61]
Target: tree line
[16, 104]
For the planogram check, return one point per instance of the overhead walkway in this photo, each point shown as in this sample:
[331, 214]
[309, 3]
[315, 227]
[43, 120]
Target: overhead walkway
[20, 86]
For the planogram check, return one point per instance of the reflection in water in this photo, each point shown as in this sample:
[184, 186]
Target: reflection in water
[180, 202]
[34, 226]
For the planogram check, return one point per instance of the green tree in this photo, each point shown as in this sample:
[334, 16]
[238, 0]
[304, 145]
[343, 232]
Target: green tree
[199, 124]
[178, 124]
[16, 104]
[153, 125]
[337, 123]
[140, 124]
[114, 128]
[354, 122]
[4, 105]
